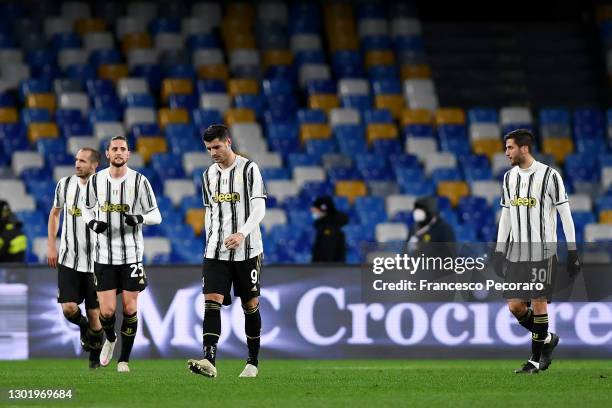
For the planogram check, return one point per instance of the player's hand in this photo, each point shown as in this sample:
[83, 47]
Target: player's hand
[234, 241]
[97, 226]
[573, 264]
[133, 220]
[52, 256]
[498, 259]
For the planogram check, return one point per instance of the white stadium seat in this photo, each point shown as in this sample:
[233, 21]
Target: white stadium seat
[23, 160]
[209, 11]
[134, 116]
[10, 187]
[302, 42]
[126, 86]
[273, 11]
[54, 25]
[597, 232]
[421, 146]
[399, 202]
[195, 160]
[490, 190]
[439, 160]
[372, 26]
[344, 116]
[217, 101]
[143, 10]
[130, 25]
[513, 115]
[156, 246]
[281, 189]
[72, 56]
[274, 216]
[580, 202]
[98, 41]
[142, 56]
[480, 131]
[405, 26]
[75, 100]
[353, 87]
[313, 71]
[169, 41]
[266, 159]
[62, 171]
[391, 231]
[177, 189]
[208, 56]
[104, 130]
[196, 25]
[304, 174]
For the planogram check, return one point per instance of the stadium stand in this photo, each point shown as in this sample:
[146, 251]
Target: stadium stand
[329, 98]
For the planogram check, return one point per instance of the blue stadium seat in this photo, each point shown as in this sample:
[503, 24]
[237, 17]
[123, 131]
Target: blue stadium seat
[313, 189]
[182, 71]
[145, 130]
[96, 87]
[445, 174]
[311, 116]
[104, 56]
[167, 166]
[277, 86]
[211, 86]
[321, 86]
[202, 40]
[377, 116]
[336, 174]
[411, 43]
[386, 86]
[51, 146]
[6, 100]
[255, 102]
[203, 118]
[386, 147]
[418, 188]
[302, 159]
[376, 42]
[66, 116]
[152, 73]
[41, 57]
[370, 210]
[33, 85]
[66, 40]
[554, 116]
[309, 57]
[282, 108]
[351, 139]
[483, 115]
[189, 102]
[275, 173]
[33, 115]
[384, 72]
[360, 102]
[81, 72]
[143, 100]
[418, 131]
[370, 160]
[164, 24]
[320, 147]
[104, 115]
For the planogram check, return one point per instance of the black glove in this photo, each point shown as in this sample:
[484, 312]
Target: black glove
[97, 226]
[573, 263]
[133, 220]
[498, 260]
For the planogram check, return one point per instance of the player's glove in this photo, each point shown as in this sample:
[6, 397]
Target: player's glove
[97, 226]
[498, 259]
[133, 220]
[573, 263]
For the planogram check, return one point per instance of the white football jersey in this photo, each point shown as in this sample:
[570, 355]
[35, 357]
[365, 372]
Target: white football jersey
[227, 196]
[76, 240]
[532, 196]
[110, 198]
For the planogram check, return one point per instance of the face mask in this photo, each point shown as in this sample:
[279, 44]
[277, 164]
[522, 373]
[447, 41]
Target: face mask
[316, 215]
[419, 215]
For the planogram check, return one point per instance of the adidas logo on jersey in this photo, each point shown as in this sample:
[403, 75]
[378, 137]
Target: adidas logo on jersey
[108, 207]
[226, 197]
[75, 212]
[526, 201]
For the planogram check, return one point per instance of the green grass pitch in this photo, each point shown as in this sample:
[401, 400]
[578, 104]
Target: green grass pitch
[312, 383]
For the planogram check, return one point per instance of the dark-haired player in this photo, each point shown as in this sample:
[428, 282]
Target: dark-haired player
[118, 201]
[234, 196]
[532, 195]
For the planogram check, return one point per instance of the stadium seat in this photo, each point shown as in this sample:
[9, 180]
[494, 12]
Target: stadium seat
[168, 116]
[178, 189]
[351, 189]
[38, 131]
[309, 131]
[415, 71]
[282, 189]
[515, 115]
[23, 160]
[439, 160]
[195, 217]
[239, 86]
[8, 115]
[399, 203]
[449, 116]
[239, 115]
[453, 190]
[113, 72]
[597, 233]
[416, 117]
[344, 116]
[105, 130]
[488, 147]
[559, 148]
[421, 147]
[148, 146]
[393, 103]
[304, 174]
[195, 160]
[379, 131]
[325, 102]
[41, 101]
[133, 116]
[391, 232]
[483, 130]
[605, 217]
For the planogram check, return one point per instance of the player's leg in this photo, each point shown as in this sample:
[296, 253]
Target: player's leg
[543, 342]
[108, 305]
[216, 280]
[95, 334]
[247, 286]
[129, 325]
[69, 296]
[522, 312]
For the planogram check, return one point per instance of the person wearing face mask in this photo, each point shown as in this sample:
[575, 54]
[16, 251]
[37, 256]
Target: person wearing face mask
[330, 243]
[429, 226]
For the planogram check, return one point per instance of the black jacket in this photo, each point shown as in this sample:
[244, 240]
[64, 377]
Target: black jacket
[330, 243]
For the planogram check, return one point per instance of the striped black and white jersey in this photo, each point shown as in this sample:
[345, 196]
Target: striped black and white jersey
[76, 240]
[227, 196]
[110, 198]
[532, 196]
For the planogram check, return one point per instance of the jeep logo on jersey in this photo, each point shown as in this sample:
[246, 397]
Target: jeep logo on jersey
[226, 197]
[108, 207]
[75, 212]
[526, 201]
